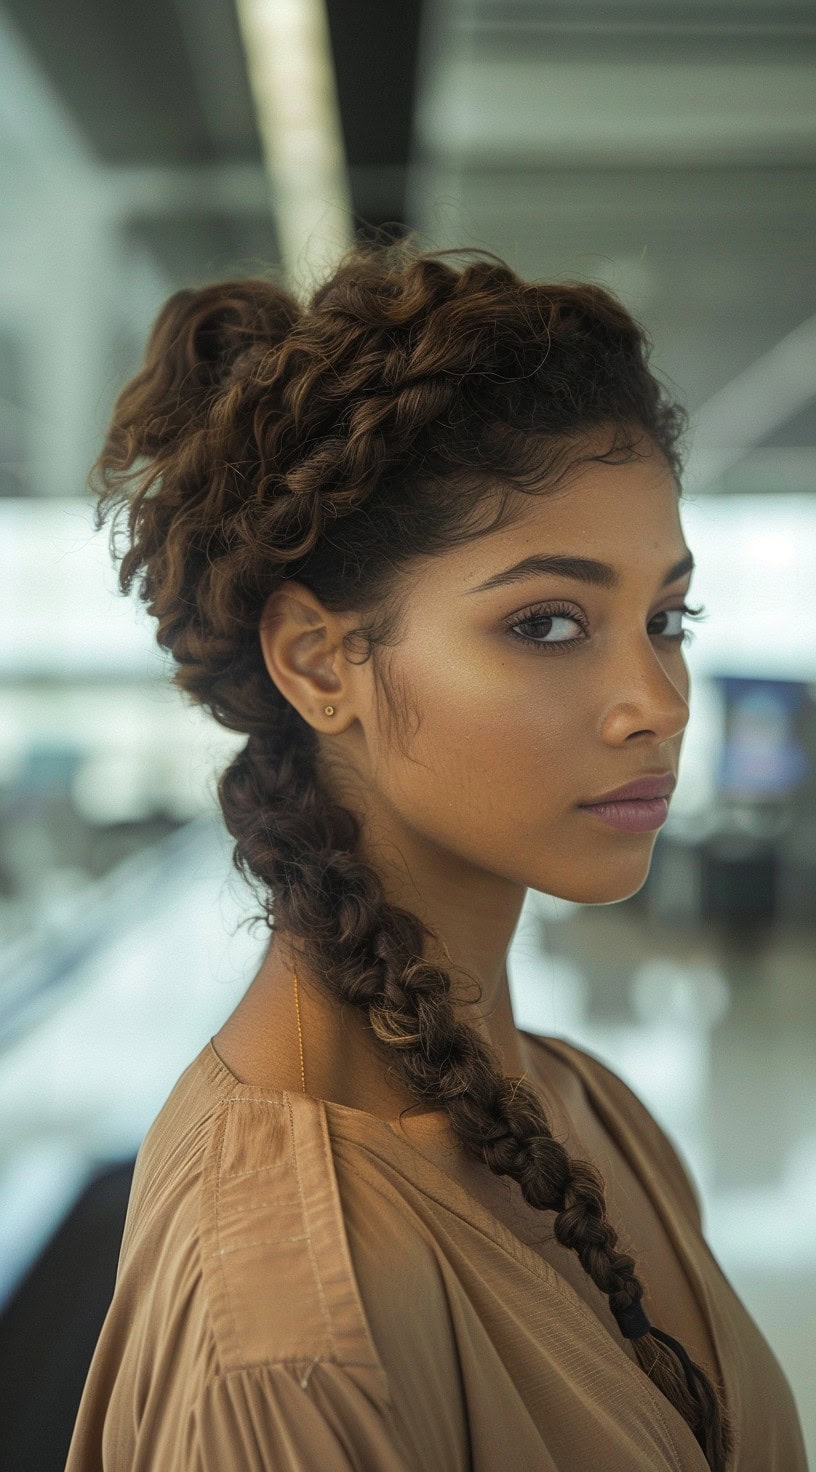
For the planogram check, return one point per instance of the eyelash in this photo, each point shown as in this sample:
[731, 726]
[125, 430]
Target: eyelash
[562, 610]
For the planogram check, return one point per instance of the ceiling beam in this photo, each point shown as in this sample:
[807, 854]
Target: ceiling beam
[757, 401]
[376, 49]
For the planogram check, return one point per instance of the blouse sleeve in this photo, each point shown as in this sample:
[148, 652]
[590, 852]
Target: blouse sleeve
[262, 1419]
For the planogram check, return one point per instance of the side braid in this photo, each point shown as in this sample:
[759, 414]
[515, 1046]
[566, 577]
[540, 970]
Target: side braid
[369, 954]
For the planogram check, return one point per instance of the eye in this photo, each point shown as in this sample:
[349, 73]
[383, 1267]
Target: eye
[550, 613]
[681, 635]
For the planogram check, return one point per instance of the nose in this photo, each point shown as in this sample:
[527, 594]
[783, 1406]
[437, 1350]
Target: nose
[646, 693]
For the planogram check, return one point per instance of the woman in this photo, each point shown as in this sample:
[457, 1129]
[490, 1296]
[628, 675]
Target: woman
[418, 540]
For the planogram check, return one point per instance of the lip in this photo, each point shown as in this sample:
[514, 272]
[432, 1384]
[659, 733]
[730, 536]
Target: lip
[643, 815]
[655, 784]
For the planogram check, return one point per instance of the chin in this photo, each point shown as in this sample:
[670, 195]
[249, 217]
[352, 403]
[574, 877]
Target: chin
[604, 888]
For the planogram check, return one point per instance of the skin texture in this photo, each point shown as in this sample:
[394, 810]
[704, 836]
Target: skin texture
[505, 740]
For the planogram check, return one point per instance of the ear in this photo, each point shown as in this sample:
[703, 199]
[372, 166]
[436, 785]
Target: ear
[302, 648]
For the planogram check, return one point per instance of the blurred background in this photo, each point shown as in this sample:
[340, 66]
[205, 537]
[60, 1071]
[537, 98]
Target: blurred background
[666, 148]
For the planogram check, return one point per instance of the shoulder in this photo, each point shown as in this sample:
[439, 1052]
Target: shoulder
[638, 1120]
[277, 1270]
[235, 1227]
[317, 1265]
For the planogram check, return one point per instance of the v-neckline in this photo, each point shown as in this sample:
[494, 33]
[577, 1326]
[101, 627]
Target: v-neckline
[450, 1194]
[673, 1219]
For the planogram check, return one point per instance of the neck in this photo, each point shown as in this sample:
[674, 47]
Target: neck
[343, 1061]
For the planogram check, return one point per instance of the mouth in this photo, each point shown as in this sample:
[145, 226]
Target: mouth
[632, 815]
[648, 785]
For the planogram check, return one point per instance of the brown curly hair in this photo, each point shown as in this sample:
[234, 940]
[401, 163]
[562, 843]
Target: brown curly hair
[264, 440]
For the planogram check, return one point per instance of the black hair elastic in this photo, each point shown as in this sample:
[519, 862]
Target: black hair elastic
[632, 1322]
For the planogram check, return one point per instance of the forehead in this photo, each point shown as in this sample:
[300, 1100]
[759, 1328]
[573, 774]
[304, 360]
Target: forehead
[626, 514]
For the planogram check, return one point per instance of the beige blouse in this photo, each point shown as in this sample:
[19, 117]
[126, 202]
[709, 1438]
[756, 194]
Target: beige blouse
[301, 1287]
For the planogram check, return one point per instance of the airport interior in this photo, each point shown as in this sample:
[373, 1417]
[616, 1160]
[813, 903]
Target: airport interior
[666, 150]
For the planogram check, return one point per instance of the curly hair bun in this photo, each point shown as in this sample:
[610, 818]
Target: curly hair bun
[201, 340]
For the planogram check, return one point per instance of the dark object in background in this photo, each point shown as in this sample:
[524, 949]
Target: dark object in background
[739, 886]
[739, 880]
[51, 1324]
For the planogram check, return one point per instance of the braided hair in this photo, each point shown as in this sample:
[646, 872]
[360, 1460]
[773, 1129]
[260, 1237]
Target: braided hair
[334, 442]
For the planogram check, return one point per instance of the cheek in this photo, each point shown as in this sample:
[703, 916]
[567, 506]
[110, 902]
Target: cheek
[489, 727]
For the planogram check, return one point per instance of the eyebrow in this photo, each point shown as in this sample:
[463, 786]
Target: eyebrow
[582, 569]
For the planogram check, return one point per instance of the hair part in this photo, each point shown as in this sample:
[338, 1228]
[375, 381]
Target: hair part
[405, 409]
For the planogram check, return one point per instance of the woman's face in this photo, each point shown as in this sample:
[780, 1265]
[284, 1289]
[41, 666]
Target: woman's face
[513, 730]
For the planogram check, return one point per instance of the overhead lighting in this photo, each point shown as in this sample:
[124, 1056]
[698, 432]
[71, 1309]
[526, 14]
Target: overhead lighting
[291, 74]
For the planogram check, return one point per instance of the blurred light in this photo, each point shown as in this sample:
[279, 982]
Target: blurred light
[61, 611]
[115, 787]
[39, 1184]
[774, 548]
[755, 574]
[770, 1226]
[549, 993]
[292, 78]
[694, 996]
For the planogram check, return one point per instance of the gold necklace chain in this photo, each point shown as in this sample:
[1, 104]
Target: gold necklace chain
[300, 1033]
